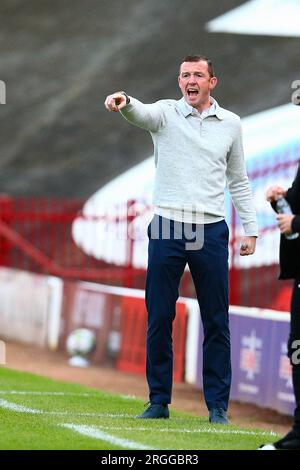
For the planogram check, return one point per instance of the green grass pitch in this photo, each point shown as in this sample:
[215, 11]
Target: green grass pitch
[39, 413]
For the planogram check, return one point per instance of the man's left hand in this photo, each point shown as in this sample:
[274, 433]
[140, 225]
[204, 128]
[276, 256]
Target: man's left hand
[248, 246]
[285, 223]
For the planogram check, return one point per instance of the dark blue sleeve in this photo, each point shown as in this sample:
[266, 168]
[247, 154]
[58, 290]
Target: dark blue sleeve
[296, 224]
[293, 194]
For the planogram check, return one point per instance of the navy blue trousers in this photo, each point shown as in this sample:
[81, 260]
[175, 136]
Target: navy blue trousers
[209, 269]
[294, 336]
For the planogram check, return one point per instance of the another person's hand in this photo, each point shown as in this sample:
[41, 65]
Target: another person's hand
[274, 193]
[285, 223]
[248, 246]
[115, 102]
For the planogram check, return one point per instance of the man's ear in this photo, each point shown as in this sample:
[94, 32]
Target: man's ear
[213, 82]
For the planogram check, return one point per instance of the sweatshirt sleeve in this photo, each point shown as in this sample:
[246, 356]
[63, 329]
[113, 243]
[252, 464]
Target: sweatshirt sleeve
[293, 194]
[296, 224]
[147, 116]
[239, 186]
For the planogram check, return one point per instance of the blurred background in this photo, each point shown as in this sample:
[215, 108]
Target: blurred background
[60, 59]
[61, 153]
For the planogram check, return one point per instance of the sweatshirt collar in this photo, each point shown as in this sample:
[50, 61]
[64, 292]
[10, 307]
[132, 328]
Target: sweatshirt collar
[186, 109]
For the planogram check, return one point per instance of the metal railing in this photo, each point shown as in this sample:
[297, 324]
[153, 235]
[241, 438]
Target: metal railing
[36, 235]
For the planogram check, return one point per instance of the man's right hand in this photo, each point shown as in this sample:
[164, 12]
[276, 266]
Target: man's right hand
[274, 193]
[115, 102]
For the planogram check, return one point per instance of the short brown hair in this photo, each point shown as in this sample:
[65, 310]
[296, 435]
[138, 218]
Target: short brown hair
[199, 58]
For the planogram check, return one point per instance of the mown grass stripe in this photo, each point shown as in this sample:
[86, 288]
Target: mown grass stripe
[24, 409]
[7, 405]
[196, 431]
[88, 414]
[32, 392]
[33, 422]
[95, 433]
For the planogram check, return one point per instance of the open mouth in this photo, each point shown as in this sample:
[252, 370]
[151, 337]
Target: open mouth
[192, 92]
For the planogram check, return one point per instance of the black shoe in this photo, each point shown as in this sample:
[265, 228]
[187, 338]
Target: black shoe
[289, 442]
[218, 416]
[155, 411]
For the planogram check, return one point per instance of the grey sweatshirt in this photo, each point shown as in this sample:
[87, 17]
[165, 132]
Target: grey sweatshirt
[196, 154]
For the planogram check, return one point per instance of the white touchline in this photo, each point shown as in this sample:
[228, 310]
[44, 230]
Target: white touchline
[128, 397]
[196, 431]
[54, 394]
[32, 392]
[24, 409]
[94, 433]
[88, 414]
[18, 408]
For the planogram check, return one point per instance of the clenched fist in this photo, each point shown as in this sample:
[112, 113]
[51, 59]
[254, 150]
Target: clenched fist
[248, 246]
[116, 101]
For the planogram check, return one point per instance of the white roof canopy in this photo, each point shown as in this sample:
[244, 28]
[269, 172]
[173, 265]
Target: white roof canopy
[260, 17]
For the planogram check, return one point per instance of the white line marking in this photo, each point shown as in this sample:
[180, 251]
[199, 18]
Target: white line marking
[128, 397]
[31, 392]
[93, 432]
[18, 408]
[198, 431]
[62, 394]
[88, 414]
[23, 409]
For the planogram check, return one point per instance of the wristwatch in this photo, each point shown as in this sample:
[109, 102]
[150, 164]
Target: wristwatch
[126, 96]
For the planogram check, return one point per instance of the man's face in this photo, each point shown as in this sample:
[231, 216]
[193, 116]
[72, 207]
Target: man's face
[196, 83]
